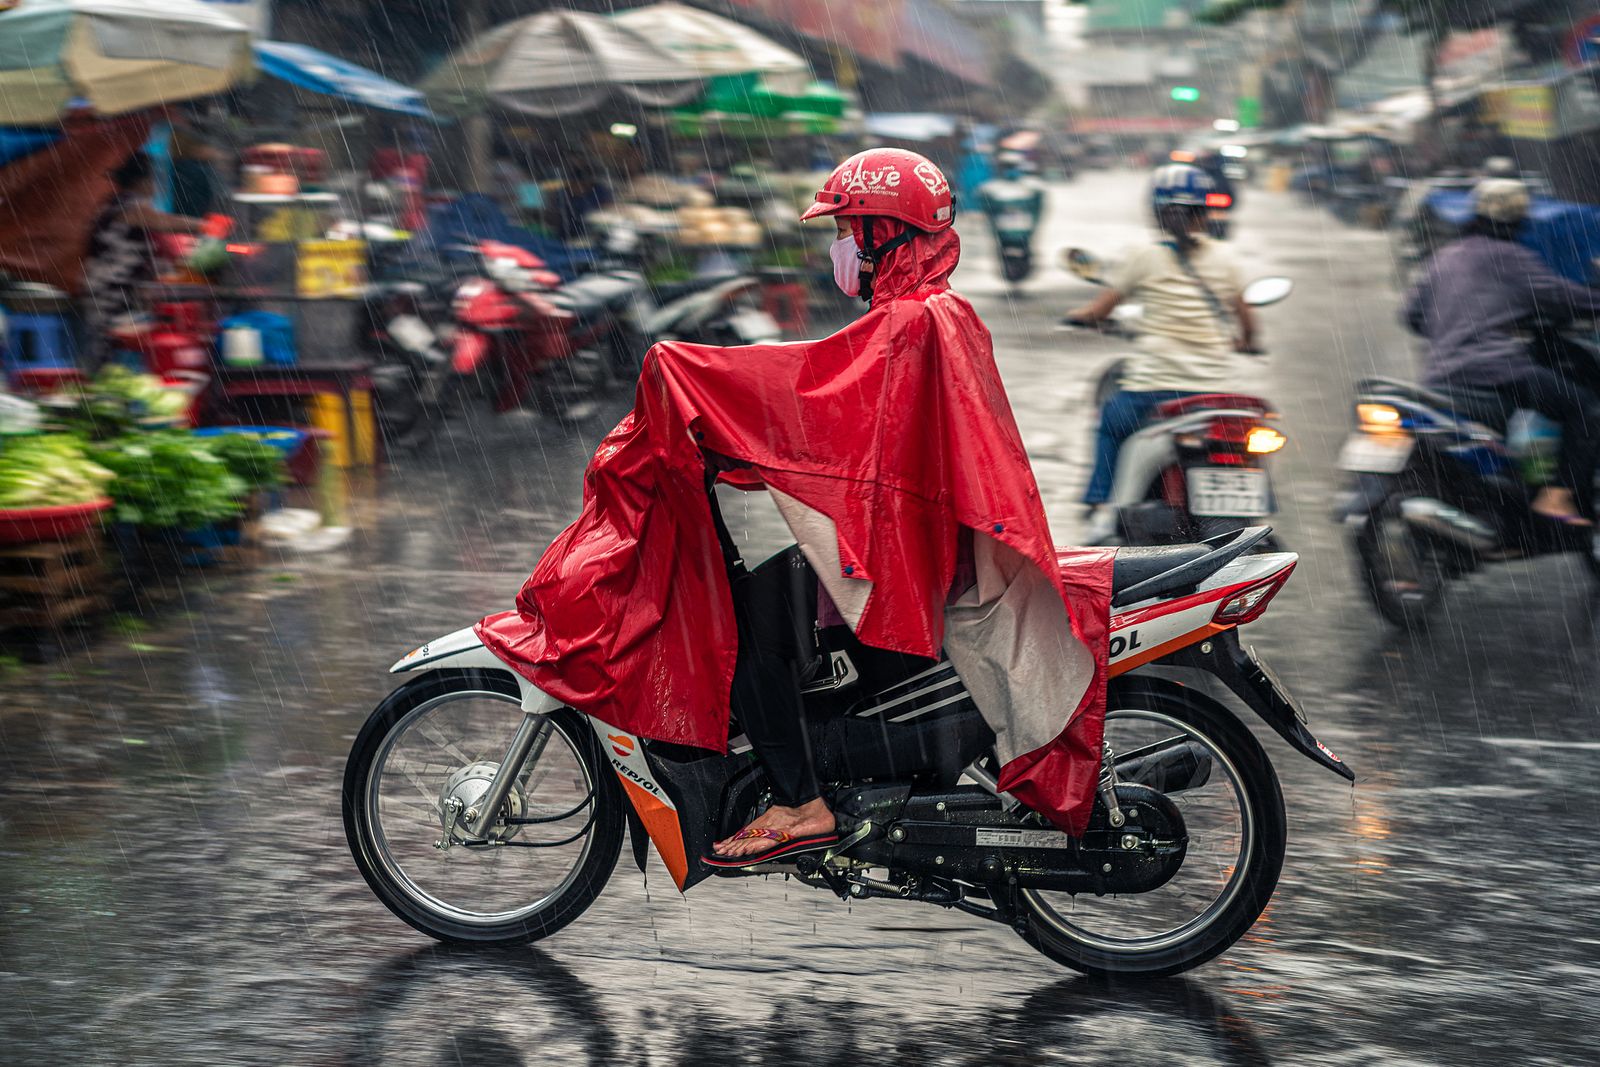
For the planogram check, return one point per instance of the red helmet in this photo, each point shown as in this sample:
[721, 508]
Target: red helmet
[890, 182]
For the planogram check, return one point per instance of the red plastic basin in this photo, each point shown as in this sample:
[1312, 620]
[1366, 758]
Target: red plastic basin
[24, 525]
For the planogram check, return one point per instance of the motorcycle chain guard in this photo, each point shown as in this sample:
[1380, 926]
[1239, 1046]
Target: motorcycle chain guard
[965, 835]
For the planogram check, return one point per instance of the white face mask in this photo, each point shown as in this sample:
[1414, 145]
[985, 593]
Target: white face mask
[846, 266]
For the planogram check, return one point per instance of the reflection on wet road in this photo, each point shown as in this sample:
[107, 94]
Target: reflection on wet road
[175, 887]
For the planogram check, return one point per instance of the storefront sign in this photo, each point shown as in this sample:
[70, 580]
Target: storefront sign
[1526, 111]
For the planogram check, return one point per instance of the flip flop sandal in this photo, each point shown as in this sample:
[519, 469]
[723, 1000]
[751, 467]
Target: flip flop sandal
[783, 844]
[1570, 522]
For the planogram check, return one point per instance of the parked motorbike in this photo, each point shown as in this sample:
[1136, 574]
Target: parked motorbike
[501, 333]
[1200, 466]
[1014, 206]
[1434, 494]
[715, 309]
[481, 811]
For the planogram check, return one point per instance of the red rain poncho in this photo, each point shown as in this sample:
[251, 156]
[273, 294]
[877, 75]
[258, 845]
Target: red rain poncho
[897, 429]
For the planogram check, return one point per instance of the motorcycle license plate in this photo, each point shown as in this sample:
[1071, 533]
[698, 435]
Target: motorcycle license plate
[1366, 453]
[1237, 493]
[1014, 221]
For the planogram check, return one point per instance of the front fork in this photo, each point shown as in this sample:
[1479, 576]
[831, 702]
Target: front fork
[533, 734]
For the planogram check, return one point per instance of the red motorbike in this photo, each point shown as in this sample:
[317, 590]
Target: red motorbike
[500, 333]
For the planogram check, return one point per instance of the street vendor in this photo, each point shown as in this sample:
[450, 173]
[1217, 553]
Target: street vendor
[122, 252]
[891, 452]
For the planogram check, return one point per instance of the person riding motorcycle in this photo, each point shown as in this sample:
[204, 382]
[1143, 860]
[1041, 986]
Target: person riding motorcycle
[642, 616]
[1194, 325]
[1473, 303]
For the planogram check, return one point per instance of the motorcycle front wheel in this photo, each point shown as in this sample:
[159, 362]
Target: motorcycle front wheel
[1236, 828]
[436, 741]
[1404, 577]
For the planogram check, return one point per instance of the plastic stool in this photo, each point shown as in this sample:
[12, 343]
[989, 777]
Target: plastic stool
[788, 303]
[37, 342]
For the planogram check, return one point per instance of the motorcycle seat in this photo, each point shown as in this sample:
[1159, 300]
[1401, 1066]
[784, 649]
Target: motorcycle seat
[1168, 409]
[667, 292]
[1433, 398]
[613, 290]
[581, 305]
[1130, 566]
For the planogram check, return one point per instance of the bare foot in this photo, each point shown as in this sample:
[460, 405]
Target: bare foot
[1556, 503]
[808, 820]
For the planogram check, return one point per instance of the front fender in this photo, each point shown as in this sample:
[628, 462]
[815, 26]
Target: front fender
[463, 648]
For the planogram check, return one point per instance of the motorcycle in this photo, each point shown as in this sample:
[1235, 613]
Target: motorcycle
[715, 309]
[481, 811]
[1201, 465]
[1013, 207]
[1435, 495]
[502, 331]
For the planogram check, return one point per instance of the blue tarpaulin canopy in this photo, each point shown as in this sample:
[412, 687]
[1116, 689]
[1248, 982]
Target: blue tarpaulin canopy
[1565, 234]
[308, 68]
[16, 142]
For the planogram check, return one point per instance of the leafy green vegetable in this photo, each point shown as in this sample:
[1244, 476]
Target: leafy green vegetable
[146, 394]
[116, 402]
[251, 460]
[49, 471]
[170, 479]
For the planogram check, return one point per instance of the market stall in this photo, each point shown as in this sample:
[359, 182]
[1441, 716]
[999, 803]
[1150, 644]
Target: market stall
[107, 497]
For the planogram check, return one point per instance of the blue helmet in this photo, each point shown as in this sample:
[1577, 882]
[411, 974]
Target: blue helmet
[1180, 185]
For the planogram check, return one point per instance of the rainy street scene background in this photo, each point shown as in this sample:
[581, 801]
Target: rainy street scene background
[1114, 583]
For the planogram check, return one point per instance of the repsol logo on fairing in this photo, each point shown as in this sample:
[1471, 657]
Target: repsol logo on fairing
[634, 777]
[1121, 643]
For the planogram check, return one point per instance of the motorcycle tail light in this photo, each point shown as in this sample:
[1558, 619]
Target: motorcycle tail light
[1250, 604]
[1218, 200]
[1263, 440]
[1379, 418]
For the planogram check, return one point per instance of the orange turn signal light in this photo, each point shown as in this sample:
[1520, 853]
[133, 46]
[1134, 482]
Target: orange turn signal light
[1264, 439]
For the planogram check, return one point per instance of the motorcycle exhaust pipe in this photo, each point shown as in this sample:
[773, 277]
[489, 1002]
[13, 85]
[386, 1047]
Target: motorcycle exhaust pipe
[1171, 768]
[1440, 519]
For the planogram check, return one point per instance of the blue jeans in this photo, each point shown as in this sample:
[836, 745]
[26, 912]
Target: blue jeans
[1120, 417]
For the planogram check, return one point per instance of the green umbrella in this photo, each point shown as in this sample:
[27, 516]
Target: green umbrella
[115, 55]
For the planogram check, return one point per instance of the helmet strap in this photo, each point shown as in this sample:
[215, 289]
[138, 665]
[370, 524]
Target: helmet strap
[874, 255]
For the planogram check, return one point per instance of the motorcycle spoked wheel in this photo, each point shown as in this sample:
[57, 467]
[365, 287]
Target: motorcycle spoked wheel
[441, 734]
[1404, 577]
[1237, 832]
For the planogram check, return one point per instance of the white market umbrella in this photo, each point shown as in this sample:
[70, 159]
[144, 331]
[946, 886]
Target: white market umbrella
[714, 46]
[115, 55]
[559, 63]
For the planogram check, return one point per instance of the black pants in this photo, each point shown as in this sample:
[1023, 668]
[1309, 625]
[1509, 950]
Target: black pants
[776, 605]
[1561, 400]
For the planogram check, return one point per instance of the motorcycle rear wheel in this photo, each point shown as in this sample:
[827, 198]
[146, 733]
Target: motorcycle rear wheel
[392, 833]
[1262, 837]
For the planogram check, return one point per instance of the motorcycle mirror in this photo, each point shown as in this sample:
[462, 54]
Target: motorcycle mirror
[1264, 291]
[1083, 264]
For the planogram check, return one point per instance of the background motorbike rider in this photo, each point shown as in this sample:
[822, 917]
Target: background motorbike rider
[1475, 298]
[1195, 321]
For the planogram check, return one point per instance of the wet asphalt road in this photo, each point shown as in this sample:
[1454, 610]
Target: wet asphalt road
[175, 887]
